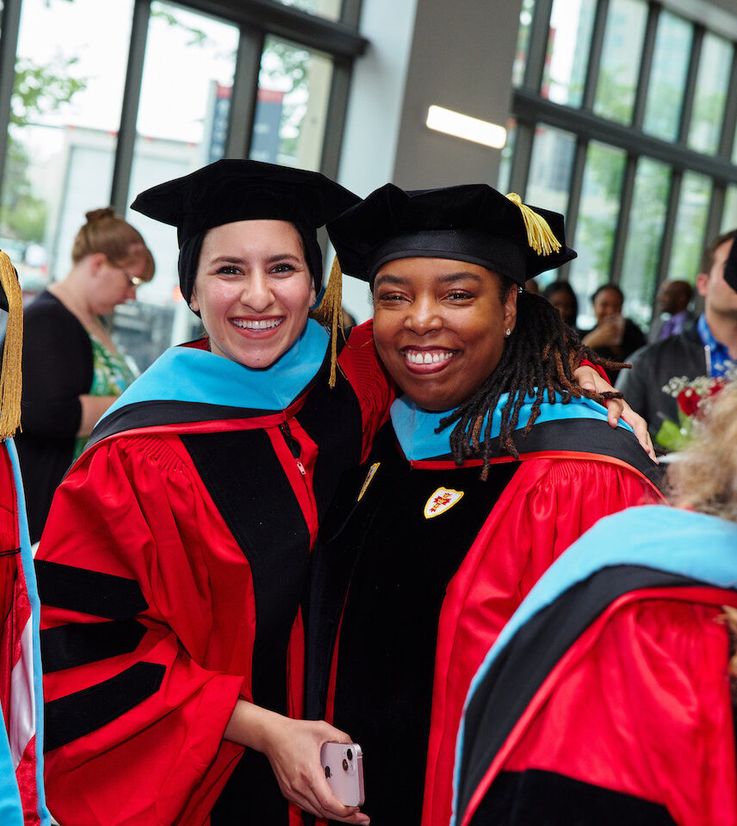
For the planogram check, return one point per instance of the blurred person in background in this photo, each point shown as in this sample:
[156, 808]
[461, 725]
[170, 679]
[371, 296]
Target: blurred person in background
[72, 369]
[614, 336]
[674, 316]
[707, 347]
[610, 696]
[561, 295]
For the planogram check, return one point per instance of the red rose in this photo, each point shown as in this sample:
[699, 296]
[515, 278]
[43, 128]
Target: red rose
[688, 401]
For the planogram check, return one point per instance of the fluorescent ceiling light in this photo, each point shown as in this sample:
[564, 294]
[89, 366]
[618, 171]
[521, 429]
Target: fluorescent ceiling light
[466, 127]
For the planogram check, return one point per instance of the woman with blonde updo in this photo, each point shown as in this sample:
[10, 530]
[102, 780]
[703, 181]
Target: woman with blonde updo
[72, 370]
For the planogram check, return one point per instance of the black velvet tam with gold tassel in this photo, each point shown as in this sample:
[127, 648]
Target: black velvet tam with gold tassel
[472, 222]
[233, 190]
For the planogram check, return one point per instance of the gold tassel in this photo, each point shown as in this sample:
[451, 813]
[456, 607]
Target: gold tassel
[10, 380]
[330, 314]
[539, 235]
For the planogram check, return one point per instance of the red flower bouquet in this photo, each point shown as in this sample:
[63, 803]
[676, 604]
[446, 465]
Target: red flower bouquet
[692, 396]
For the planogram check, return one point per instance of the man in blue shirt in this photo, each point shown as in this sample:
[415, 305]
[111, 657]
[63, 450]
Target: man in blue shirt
[706, 348]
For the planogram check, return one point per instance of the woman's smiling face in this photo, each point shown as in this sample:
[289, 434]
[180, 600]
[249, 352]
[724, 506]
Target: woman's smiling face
[253, 290]
[439, 327]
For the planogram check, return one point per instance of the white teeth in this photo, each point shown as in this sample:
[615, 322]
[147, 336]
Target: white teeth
[261, 324]
[415, 357]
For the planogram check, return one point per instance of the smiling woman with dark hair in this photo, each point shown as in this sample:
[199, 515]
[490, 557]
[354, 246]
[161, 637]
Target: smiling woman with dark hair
[494, 462]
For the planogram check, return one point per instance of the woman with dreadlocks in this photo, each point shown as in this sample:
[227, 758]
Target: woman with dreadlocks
[494, 462]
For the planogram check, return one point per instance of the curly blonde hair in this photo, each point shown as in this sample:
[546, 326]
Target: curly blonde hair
[704, 478]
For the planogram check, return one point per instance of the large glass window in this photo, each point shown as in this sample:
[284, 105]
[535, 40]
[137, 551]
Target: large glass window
[649, 200]
[644, 239]
[668, 79]
[597, 220]
[688, 242]
[711, 97]
[571, 24]
[294, 87]
[550, 169]
[65, 115]
[620, 60]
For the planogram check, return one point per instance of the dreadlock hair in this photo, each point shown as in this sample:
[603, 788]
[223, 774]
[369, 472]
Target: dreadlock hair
[539, 360]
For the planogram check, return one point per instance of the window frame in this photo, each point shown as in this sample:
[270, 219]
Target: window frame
[255, 19]
[530, 109]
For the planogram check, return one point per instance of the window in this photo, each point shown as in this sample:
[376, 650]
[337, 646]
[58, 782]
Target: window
[62, 134]
[644, 238]
[550, 168]
[689, 238]
[668, 80]
[626, 136]
[571, 24]
[712, 81]
[597, 222]
[294, 85]
[71, 149]
[620, 64]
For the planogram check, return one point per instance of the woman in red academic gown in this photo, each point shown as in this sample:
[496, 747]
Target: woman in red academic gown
[171, 569]
[451, 526]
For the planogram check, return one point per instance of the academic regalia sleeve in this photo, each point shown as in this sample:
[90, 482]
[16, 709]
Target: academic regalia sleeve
[134, 722]
[642, 710]
[360, 364]
[549, 503]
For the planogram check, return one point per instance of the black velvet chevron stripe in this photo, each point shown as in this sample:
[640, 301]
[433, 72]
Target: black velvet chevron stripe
[520, 669]
[542, 797]
[89, 592]
[78, 714]
[68, 646]
[586, 436]
[156, 413]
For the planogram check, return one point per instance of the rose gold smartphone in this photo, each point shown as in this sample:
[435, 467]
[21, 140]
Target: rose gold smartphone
[343, 767]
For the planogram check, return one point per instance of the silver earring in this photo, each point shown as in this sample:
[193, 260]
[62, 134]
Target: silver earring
[508, 332]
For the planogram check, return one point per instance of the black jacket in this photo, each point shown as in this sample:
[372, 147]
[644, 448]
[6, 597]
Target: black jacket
[653, 366]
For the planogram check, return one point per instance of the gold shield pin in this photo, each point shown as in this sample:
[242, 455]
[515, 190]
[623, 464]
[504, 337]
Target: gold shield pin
[441, 501]
[367, 481]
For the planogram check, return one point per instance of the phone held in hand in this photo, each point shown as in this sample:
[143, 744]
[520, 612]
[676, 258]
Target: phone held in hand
[343, 767]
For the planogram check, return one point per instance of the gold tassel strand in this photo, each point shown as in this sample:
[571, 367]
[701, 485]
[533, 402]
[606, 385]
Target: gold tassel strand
[330, 314]
[539, 235]
[10, 381]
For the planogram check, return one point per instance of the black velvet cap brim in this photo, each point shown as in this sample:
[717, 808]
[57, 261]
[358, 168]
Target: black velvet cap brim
[233, 190]
[730, 267]
[473, 223]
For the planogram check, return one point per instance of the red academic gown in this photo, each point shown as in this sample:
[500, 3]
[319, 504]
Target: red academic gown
[21, 761]
[610, 702]
[171, 574]
[423, 594]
